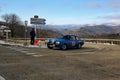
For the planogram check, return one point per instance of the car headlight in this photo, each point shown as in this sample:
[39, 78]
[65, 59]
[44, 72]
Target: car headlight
[57, 43]
[46, 41]
[53, 41]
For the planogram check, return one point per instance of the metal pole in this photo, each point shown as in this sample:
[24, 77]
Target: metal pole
[6, 36]
[36, 31]
[26, 22]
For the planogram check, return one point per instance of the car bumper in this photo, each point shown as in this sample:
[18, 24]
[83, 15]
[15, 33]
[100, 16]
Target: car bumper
[53, 45]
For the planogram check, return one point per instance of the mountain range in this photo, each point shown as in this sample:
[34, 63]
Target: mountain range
[85, 30]
[98, 30]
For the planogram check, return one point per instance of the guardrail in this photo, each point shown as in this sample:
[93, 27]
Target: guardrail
[109, 41]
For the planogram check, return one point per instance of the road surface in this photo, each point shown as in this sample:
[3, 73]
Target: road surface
[92, 62]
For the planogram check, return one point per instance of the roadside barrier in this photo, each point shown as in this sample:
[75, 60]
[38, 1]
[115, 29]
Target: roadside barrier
[107, 41]
[42, 41]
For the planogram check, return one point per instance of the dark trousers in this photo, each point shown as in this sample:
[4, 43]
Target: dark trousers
[32, 40]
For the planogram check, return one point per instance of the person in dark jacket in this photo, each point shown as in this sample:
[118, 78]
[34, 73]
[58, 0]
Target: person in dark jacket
[32, 36]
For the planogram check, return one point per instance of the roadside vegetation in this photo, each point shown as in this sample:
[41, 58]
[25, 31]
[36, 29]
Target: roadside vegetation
[17, 27]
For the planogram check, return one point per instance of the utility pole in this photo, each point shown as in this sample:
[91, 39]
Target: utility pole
[26, 22]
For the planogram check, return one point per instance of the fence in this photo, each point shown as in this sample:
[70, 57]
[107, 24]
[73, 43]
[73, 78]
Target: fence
[109, 41]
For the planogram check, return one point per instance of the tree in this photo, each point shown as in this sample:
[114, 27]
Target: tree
[12, 21]
[6, 18]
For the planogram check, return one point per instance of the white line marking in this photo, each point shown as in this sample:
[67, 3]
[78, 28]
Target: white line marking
[30, 53]
[24, 51]
[1, 78]
[37, 55]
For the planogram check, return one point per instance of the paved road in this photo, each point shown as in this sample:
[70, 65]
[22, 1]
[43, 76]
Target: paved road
[92, 62]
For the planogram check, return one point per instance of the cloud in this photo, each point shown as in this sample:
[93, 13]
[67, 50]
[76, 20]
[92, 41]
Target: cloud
[114, 4]
[92, 5]
[116, 17]
[105, 4]
[111, 18]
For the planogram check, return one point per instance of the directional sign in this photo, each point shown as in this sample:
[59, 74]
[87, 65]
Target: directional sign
[38, 21]
[7, 30]
[36, 16]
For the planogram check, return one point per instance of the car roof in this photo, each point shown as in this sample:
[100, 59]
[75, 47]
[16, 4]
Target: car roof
[69, 35]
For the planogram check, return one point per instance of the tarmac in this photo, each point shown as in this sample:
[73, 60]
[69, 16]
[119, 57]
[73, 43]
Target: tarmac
[4, 43]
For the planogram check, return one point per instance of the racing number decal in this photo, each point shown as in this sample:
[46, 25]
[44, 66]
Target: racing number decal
[73, 43]
[72, 38]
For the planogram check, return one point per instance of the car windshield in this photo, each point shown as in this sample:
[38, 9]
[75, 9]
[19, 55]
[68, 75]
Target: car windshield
[60, 36]
[63, 37]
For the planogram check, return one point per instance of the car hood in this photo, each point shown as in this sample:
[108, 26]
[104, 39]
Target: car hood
[56, 39]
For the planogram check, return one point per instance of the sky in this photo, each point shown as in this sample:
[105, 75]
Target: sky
[60, 12]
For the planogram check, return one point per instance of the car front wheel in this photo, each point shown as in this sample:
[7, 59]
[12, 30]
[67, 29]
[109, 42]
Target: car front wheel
[64, 47]
[49, 46]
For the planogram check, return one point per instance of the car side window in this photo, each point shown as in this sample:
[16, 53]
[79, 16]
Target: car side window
[72, 37]
[77, 38]
[66, 37]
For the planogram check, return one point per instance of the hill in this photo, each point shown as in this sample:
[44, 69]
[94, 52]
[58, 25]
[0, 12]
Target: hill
[94, 30]
[81, 30]
[97, 30]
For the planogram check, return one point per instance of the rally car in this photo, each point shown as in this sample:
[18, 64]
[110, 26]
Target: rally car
[65, 42]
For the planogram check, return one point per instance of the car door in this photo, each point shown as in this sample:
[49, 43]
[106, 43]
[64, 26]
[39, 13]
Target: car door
[77, 40]
[67, 41]
[73, 41]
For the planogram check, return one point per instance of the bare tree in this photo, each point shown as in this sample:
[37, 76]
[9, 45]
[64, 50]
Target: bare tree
[12, 21]
[6, 18]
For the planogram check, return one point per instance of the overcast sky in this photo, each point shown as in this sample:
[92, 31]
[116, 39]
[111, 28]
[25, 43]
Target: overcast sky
[65, 11]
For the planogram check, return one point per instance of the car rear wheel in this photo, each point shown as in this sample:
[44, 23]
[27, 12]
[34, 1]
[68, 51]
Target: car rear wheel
[64, 47]
[79, 46]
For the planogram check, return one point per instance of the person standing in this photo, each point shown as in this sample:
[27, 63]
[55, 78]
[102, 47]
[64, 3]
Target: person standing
[32, 36]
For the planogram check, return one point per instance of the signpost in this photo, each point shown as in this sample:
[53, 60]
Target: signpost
[7, 31]
[37, 21]
[36, 16]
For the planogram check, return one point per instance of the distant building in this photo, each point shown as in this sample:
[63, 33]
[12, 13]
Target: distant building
[2, 23]
[2, 28]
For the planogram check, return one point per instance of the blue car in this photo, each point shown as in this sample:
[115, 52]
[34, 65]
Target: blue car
[65, 42]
